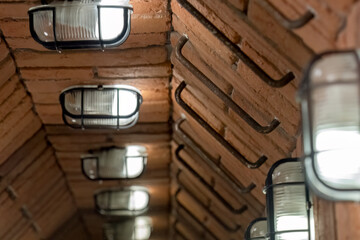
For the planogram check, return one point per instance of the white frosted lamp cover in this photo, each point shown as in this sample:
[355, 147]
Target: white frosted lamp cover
[288, 203]
[331, 119]
[257, 230]
[138, 228]
[115, 163]
[81, 23]
[126, 201]
[100, 106]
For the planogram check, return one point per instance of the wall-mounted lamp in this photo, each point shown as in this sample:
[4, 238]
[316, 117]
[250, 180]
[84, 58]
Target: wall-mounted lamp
[289, 207]
[257, 230]
[81, 24]
[138, 228]
[115, 163]
[100, 106]
[126, 201]
[329, 96]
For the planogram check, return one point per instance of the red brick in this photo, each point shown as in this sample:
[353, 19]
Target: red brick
[145, 23]
[343, 6]
[139, 24]
[151, 55]
[288, 43]
[11, 102]
[4, 51]
[56, 73]
[15, 10]
[349, 36]
[7, 69]
[162, 70]
[320, 33]
[24, 129]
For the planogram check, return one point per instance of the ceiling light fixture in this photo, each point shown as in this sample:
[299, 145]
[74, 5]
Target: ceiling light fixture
[289, 208]
[115, 163]
[100, 106]
[329, 97]
[81, 24]
[257, 230]
[138, 228]
[126, 201]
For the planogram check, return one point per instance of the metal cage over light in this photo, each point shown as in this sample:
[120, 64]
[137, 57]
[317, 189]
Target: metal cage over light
[289, 207]
[126, 201]
[115, 163]
[257, 230]
[330, 103]
[81, 24]
[100, 106]
[138, 228]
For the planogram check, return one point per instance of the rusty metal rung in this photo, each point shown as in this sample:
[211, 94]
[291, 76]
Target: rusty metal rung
[217, 91]
[185, 189]
[283, 20]
[214, 133]
[208, 186]
[192, 215]
[236, 50]
[216, 167]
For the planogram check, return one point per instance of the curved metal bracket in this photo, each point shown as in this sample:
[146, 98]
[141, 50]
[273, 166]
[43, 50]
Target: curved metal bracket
[208, 186]
[219, 169]
[184, 189]
[236, 50]
[192, 215]
[217, 91]
[214, 133]
[283, 20]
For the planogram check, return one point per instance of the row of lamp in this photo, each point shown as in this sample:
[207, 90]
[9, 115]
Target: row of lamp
[115, 107]
[330, 98]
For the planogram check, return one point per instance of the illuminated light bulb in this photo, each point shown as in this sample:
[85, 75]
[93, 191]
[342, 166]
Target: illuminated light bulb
[81, 24]
[330, 104]
[101, 106]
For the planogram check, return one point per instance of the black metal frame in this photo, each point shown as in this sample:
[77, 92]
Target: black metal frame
[82, 116]
[247, 234]
[99, 177]
[208, 186]
[270, 200]
[179, 204]
[126, 211]
[82, 44]
[114, 225]
[284, 21]
[214, 133]
[235, 49]
[313, 179]
[220, 94]
[214, 164]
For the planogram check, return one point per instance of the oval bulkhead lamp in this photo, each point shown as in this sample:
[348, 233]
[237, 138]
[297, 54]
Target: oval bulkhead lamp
[257, 230]
[81, 24]
[100, 106]
[288, 203]
[330, 105]
[115, 163]
[126, 201]
[138, 228]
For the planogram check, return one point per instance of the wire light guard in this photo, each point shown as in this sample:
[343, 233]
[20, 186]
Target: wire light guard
[289, 206]
[125, 201]
[138, 228]
[115, 163]
[257, 230]
[330, 103]
[100, 106]
[81, 24]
